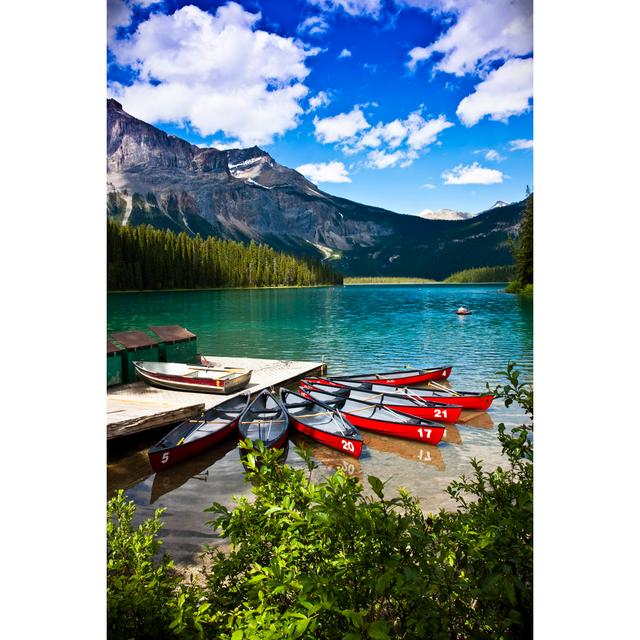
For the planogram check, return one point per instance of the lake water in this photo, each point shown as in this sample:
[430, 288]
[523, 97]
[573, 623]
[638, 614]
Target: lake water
[354, 328]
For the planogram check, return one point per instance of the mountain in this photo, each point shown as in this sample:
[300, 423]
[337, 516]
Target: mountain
[444, 214]
[244, 194]
[499, 203]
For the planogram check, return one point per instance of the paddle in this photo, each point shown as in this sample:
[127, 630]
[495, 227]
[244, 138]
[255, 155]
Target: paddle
[442, 388]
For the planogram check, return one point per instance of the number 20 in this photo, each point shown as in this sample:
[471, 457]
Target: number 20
[347, 446]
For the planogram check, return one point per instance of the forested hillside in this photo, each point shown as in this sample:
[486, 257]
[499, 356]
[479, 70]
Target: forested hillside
[143, 257]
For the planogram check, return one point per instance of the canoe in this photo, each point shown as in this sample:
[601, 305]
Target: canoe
[403, 402]
[265, 419]
[192, 377]
[375, 417]
[195, 435]
[322, 423]
[397, 378]
[464, 399]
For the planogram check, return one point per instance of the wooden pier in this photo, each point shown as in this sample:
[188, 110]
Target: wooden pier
[136, 407]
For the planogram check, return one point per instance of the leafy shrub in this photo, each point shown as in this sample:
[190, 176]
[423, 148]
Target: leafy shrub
[144, 597]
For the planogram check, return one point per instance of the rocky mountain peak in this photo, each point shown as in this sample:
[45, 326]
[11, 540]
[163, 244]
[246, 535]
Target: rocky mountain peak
[159, 179]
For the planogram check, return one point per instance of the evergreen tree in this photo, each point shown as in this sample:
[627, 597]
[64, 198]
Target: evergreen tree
[523, 253]
[143, 257]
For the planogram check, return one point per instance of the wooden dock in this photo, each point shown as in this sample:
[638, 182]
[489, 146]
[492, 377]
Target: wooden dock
[136, 407]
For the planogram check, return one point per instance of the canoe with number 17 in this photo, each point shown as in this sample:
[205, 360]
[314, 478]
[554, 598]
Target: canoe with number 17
[375, 417]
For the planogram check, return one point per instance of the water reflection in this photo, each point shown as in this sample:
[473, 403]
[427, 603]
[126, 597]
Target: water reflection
[479, 419]
[200, 467]
[452, 435]
[331, 459]
[128, 471]
[411, 450]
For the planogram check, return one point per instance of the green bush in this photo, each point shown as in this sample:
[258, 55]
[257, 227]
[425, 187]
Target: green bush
[330, 561]
[144, 597]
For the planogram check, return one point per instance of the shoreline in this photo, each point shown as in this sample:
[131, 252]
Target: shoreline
[435, 282]
[311, 286]
[283, 286]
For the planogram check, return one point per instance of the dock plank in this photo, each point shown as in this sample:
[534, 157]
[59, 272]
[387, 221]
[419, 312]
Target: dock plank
[137, 407]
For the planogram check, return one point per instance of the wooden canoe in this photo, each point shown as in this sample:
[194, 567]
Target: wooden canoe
[396, 378]
[465, 399]
[322, 423]
[193, 436]
[191, 377]
[265, 419]
[376, 417]
[403, 402]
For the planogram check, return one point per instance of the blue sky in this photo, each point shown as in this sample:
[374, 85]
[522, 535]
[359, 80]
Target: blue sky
[403, 104]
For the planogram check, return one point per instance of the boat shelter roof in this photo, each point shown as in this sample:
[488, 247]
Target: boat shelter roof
[112, 348]
[134, 339]
[172, 333]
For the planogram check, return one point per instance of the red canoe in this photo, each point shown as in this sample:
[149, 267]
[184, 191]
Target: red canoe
[375, 417]
[322, 423]
[397, 378]
[192, 436]
[464, 399]
[265, 419]
[403, 402]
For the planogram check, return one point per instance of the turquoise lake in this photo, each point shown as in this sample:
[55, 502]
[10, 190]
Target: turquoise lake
[353, 328]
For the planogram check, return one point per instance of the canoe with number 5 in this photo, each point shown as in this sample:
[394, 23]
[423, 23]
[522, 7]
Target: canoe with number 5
[465, 399]
[376, 417]
[404, 377]
[322, 423]
[195, 435]
[265, 419]
[405, 403]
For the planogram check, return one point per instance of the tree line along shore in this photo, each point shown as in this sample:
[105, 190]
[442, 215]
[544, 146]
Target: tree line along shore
[143, 258]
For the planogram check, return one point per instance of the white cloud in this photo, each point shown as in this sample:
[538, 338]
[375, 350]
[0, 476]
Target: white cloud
[493, 156]
[214, 71]
[321, 99]
[428, 185]
[314, 25]
[505, 92]
[472, 174]
[424, 132]
[484, 31]
[396, 142]
[381, 160]
[352, 7]
[414, 131]
[516, 145]
[345, 53]
[341, 127]
[324, 172]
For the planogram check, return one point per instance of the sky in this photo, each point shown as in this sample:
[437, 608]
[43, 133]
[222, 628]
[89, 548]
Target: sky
[410, 105]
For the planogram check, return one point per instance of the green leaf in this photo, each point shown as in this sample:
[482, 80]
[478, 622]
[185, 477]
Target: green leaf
[378, 630]
[377, 485]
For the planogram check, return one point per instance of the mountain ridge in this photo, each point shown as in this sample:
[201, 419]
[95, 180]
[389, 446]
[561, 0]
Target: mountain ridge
[245, 194]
